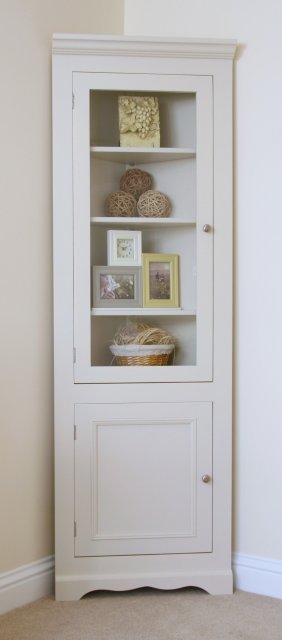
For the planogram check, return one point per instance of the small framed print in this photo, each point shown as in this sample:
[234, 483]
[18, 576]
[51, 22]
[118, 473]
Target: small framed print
[160, 280]
[124, 248]
[117, 286]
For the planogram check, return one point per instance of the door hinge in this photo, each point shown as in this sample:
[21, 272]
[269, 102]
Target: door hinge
[73, 101]
[74, 355]
[74, 528]
[74, 431]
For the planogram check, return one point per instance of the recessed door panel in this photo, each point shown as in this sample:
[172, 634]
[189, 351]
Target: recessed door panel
[138, 479]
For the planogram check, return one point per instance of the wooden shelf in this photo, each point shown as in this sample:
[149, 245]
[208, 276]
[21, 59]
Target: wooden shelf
[140, 221]
[142, 311]
[134, 155]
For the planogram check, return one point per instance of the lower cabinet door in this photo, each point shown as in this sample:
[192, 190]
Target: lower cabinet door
[143, 478]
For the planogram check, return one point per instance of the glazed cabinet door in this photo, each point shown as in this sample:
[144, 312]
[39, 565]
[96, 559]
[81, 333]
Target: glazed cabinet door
[182, 169]
[143, 478]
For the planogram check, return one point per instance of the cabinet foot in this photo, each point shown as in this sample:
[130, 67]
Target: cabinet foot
[75, 587]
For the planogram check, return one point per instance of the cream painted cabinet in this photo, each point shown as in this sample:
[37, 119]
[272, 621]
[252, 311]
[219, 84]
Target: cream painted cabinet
[143, 453]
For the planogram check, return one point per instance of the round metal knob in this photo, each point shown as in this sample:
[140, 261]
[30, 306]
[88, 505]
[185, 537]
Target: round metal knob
[206, 228]
[206, 478]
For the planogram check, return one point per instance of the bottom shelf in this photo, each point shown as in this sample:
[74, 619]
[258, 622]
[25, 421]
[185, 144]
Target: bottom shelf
[182, 329]
[142, 311]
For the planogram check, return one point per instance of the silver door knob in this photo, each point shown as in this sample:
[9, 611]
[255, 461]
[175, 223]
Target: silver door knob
[206, 478]
[206, 228]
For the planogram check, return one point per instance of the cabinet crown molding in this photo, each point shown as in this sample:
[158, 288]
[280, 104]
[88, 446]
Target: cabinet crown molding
[76, 44]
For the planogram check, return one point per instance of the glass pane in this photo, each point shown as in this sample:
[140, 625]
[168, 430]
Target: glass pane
[129, 294]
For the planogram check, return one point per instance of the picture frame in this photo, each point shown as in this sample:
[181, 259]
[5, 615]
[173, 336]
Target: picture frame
[124, 247]
[160, 280]
[116, 287]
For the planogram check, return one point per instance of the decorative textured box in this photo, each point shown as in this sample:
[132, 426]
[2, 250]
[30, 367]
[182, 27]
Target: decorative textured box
[139, 121]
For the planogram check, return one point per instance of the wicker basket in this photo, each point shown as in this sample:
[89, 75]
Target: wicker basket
[142, 355]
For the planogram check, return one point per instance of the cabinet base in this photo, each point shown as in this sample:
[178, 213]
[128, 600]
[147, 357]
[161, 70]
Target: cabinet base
[74, 587]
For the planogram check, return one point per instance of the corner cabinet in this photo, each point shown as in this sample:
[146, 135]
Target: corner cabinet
[143, 453]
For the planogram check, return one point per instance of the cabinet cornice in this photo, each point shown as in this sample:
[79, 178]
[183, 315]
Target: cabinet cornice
[69, 44]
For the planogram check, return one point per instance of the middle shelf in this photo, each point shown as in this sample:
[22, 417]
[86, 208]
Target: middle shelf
[141, 222]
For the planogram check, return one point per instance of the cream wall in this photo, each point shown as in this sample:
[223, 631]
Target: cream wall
[256, 25]
[26, 441]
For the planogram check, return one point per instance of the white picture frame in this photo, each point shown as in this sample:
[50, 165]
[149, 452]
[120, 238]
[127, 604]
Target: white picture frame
[124, 248]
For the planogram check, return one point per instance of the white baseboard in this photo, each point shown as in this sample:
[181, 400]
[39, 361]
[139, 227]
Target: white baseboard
[26, 584]
[258, 575]
[36, 580]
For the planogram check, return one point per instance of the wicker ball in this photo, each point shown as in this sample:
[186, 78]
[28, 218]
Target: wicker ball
[121, 204]
[136, 181]
[153, 204]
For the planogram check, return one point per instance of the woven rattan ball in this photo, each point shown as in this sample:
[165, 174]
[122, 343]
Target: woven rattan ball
[153, 204]
[136, 181]
[121, 204]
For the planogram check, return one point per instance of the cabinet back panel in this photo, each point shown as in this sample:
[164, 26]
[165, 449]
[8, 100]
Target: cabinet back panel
[104, 328]
[177, 179]
[177, 117]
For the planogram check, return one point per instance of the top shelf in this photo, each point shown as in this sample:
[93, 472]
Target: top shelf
[135, 155]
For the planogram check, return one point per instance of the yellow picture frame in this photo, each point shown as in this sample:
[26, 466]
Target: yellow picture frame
[160, 280]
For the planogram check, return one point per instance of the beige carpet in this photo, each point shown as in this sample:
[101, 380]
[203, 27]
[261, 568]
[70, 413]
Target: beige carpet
[147, 614]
